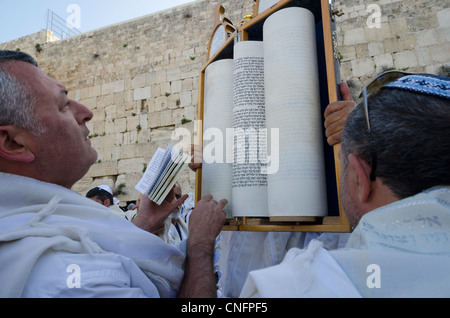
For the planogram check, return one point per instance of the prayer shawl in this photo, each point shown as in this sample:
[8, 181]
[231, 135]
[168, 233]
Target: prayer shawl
[48, 233]
[240, 252]
[399, 250]
[174, 235]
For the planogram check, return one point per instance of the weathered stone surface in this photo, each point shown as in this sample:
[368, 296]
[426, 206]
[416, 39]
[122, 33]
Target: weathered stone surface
[141, 91]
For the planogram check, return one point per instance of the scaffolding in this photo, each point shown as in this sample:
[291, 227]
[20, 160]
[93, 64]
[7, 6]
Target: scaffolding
[60, 28]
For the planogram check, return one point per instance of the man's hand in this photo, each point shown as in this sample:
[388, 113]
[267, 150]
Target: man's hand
[196, 162]
[336, 115]
[151, 216]
[205, 224]
[206, 221]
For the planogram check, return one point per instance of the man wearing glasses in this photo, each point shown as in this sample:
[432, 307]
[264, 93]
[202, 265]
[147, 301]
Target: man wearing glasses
[395, 191]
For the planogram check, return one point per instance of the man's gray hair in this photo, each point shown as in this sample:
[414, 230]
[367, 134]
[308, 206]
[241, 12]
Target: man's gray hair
[408, 141]
[17, 100]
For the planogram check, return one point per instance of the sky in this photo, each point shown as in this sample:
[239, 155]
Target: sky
[23, 17]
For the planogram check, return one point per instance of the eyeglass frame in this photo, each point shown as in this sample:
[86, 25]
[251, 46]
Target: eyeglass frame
[380, 81]
[374, 86]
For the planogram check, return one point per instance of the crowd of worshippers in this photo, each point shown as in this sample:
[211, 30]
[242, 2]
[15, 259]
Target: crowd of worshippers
[394, 190]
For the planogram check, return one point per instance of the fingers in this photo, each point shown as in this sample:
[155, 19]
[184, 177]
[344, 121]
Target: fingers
[178, 202]
[334, 124]
[345, 92]
[332, 112]
[223, 203]
[337, 112]
[217, 206]
[206, 221]
[170, 203]
[336, 115]
[333, 109]
[197, 153]
[207, 197]
[194, 166]
[334, 138]
[182, 199]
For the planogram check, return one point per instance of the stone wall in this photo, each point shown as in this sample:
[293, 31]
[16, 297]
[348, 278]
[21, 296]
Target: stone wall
[140, 77]
[411, 35]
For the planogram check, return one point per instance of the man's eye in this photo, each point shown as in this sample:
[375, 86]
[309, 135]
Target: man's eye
[65, 105]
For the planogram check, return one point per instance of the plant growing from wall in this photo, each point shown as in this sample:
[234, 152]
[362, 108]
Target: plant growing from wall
[185, 121]
[38, 48]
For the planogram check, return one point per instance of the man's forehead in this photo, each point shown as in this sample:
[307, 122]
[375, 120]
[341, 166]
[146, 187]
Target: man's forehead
[30, 74]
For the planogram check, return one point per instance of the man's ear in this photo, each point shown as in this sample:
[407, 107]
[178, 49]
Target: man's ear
[13, 145]
[361, 177]
[107, 202]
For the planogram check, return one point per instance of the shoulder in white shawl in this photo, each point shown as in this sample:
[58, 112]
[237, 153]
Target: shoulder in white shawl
[30, 208]
[310, 272]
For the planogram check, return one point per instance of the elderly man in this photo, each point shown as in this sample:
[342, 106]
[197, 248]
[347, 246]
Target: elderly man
[395, 191]
[57, 243]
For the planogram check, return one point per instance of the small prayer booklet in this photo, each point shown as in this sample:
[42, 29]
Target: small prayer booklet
[164, 169]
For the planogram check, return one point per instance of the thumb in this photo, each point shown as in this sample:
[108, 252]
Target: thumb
[345, 92]
[178, 202]
[182, 199]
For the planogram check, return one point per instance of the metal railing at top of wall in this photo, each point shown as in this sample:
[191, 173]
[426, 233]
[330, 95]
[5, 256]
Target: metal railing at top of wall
[60, 28]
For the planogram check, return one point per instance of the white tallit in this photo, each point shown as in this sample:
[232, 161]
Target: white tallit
[408, 241]
[240, 252]
[39, 219]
